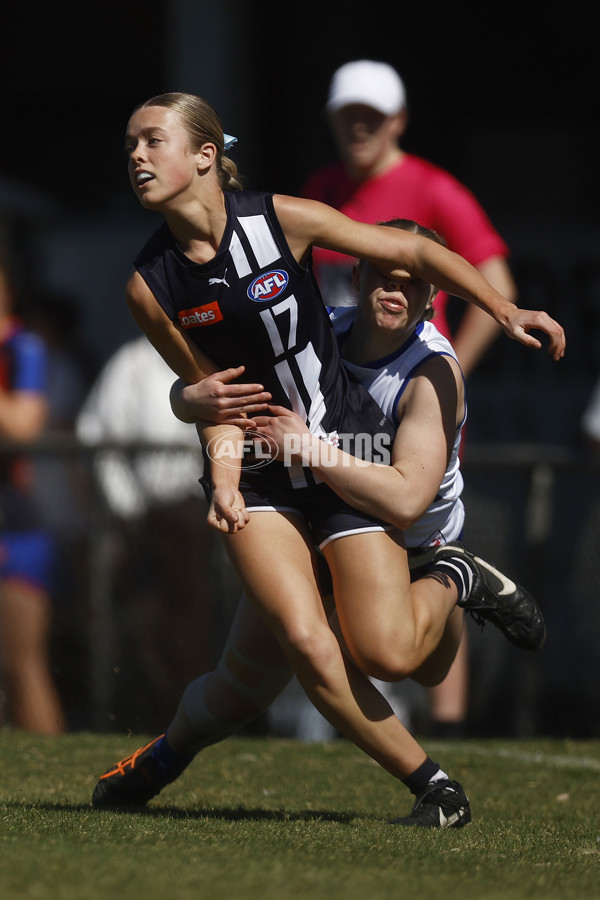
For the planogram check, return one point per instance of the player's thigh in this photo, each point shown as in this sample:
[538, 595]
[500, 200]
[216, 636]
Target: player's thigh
[275, 559]
[371, 584]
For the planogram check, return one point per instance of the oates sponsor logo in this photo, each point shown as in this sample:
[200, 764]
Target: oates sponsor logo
[200, 316]
[268, 285]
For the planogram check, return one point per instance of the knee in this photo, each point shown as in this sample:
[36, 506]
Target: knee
[386, 663]
[311, 648]
[383, 650]
[253, 682]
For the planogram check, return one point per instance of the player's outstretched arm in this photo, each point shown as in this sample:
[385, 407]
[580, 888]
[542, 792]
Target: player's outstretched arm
[401, 255]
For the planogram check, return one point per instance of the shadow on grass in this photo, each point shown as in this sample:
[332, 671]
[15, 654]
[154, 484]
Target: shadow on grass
[233, 814]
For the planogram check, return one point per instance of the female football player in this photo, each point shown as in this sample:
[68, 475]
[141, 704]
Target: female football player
[227, 279]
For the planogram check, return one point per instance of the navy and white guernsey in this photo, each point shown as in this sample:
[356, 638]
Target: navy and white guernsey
[254, 304]
[386, 380]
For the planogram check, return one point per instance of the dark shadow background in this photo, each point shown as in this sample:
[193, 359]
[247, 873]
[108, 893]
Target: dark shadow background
[507, 103]
[504, 97]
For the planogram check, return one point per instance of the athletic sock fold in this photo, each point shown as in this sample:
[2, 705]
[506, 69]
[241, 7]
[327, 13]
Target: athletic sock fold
[460, 572]
[420, 778]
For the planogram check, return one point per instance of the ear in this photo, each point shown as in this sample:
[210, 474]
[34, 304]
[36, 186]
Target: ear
[400, 123]
[206, 156]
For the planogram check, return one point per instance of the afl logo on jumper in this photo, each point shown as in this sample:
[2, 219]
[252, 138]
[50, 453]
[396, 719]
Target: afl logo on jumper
[200, 316]
[268, 285]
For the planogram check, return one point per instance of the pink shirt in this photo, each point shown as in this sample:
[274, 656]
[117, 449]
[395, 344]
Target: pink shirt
[412, 189]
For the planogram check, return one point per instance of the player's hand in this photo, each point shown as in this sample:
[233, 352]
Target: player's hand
[227, 512]
[217, 399]
[283, 432]
[521, 321]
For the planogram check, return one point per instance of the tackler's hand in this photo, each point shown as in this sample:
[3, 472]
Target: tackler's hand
[218, 399]
[284, 433]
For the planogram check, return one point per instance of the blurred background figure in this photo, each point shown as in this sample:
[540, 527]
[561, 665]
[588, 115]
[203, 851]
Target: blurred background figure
[375, 179]
[590, 422]
[62, 487]
[30, 698]
[70, 368]
[129, 404]
[159, 559]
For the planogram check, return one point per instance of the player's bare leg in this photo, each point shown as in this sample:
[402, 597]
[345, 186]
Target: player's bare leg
[24, 653]
[288, 599]
[449, 700]
[390, 626]
[250, 675]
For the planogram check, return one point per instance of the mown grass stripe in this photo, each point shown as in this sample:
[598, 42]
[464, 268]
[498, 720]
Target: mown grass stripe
[558, 761]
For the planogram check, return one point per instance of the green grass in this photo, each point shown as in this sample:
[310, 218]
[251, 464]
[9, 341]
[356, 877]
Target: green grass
[274, 819]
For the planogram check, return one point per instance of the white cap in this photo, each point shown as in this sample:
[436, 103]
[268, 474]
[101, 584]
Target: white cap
[374, 84]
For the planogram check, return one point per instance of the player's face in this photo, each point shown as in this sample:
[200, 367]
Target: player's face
[366, 139]
[162, 167]
[394, 307]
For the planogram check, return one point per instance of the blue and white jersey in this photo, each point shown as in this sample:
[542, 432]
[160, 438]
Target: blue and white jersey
[386, 380]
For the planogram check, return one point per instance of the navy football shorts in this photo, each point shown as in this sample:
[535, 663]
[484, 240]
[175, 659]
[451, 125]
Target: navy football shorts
[27, 556]
[326, 514]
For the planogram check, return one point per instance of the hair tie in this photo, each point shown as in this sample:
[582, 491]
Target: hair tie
[229, 140]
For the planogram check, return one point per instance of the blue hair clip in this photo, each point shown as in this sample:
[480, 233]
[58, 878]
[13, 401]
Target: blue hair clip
[229, 140]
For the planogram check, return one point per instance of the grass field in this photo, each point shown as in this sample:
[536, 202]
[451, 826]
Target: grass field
[270, 818]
